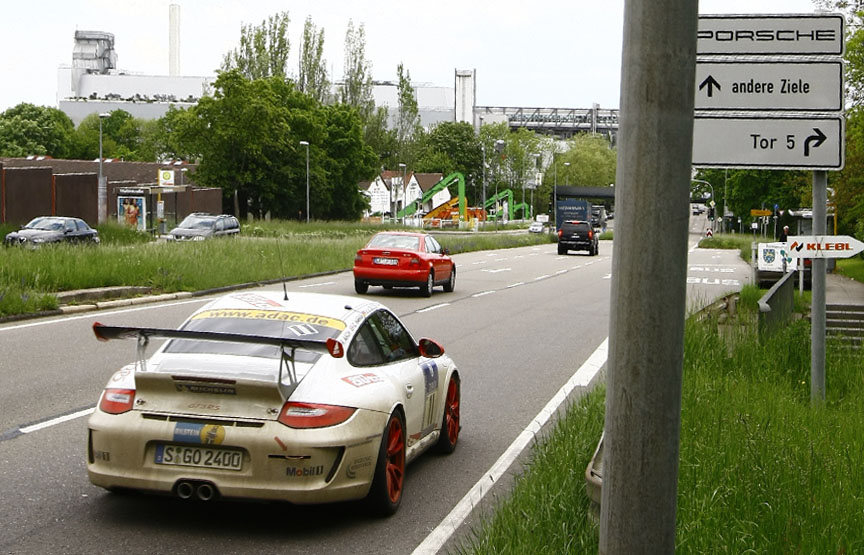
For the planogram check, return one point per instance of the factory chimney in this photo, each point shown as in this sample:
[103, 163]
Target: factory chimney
[174, 40]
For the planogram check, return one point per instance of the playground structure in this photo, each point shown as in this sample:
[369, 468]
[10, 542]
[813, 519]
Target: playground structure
[512, 207]
[454, 209]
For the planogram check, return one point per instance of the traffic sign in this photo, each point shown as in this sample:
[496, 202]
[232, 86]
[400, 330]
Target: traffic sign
[810, 34]
[823, 246]
[776, 85]
[788, 142]
[758, 212]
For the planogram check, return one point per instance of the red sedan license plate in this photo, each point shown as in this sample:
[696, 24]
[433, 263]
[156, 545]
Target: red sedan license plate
[385, 261]
[202, 457]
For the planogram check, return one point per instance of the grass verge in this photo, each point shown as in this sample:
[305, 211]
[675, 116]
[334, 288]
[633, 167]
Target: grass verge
[267, 250]
[761, 470]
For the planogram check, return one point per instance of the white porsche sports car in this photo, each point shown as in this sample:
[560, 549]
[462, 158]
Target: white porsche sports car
[299, 397]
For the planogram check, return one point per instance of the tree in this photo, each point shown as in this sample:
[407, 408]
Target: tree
[453, 146]
[26, 129]
[312, 75]
[380, 138]
[356, 88]
[348, 161]
[408, 117]
[263, 50]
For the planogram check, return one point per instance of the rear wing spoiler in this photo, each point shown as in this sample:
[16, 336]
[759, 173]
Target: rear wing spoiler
[143, 335]
[108, 333]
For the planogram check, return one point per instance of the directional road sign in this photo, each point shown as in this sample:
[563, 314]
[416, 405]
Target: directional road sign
[823, 246]
[758, 212]
[810, 34]
[788, 142]
[776, 85]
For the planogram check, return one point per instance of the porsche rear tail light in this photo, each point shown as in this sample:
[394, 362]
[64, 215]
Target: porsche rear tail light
[310, 415]
[117, 401]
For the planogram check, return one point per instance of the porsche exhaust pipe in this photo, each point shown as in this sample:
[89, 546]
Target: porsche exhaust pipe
[205, 492]
[185, 490]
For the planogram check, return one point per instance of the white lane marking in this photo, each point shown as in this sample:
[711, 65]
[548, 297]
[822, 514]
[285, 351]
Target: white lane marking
[495, 271]
[577, 266]
[544, 276]
[479, 262]
[55, 421]
[482, 294]
[517, 284]
[561, 272]
[317, 284]
[97, 313]
[607, 276]
[589, 263]
[583, 376]
[433, 307]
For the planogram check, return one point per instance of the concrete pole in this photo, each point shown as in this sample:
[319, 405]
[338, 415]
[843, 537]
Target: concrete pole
[649, 276]
[817, 302]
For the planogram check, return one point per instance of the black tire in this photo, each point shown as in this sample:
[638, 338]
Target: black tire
[385, 495]
[360, 286]
[451, 282]
[451, 422]
[426, 288]
[562, 250]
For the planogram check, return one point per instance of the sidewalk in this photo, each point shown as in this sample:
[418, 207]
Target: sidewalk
[840, 289]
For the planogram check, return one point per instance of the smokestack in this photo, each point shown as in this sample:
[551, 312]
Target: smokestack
[174, 40]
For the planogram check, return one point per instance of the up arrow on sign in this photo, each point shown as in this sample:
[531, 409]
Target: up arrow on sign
[823, 246]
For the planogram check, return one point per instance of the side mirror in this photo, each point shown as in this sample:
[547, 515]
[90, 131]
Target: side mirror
[445, 251]
[430, 348]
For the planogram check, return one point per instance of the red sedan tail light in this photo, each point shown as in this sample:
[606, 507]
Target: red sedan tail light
[310, 415]
[117, 401]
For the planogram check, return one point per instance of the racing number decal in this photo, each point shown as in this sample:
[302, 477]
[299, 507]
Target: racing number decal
[430, 379]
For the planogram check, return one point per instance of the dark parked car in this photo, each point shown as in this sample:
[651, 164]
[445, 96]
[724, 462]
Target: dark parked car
[576, 235]
[53, 229]
[199, 226]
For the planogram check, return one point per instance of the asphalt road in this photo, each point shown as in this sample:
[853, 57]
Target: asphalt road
[519, 324]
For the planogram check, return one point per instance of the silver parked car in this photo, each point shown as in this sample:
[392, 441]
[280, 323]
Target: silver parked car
[199, 226]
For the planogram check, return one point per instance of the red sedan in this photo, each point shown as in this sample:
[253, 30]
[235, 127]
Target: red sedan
[403, 259]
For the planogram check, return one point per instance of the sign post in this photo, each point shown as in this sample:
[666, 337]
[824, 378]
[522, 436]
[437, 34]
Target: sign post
[749, 115]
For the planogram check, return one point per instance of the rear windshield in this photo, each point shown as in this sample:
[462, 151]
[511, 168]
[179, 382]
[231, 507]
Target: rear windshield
[268, 323]
[386, 240]
[581, 226]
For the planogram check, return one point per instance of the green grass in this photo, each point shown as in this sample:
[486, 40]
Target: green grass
[761, 470]
[266, 251]
[851, 267]
[740, 241]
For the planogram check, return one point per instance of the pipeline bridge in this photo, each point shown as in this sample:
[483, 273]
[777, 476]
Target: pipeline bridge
[561, 122]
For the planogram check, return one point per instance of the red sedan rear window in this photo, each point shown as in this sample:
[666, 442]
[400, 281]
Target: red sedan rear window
[392, 241]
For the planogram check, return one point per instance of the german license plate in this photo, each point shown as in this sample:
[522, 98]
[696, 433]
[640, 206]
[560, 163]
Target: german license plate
[385, 261]
[202, 457]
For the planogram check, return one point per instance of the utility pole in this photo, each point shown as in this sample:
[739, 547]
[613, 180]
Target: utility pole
[649, 278]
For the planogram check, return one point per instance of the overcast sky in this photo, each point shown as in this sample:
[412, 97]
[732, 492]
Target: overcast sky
[529, 53]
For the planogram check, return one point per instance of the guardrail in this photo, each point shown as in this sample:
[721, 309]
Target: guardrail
[775, 306]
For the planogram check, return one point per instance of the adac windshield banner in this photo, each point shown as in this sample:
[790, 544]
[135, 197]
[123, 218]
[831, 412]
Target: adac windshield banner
[823, 246]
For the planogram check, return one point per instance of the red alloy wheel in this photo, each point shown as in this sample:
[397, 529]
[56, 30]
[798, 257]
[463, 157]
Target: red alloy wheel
[395, 469]
[451, 411]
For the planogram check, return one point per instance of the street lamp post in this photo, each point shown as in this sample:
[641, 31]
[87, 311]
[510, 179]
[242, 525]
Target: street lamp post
[306, 144]
[499, 147]
[531, 211]
[404, 190]
[182, 175]
[102, 187]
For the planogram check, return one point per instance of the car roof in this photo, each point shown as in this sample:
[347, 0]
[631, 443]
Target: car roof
[341, 307]
[407, 233]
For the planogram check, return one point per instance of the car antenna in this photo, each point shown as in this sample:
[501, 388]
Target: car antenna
[282, 269]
